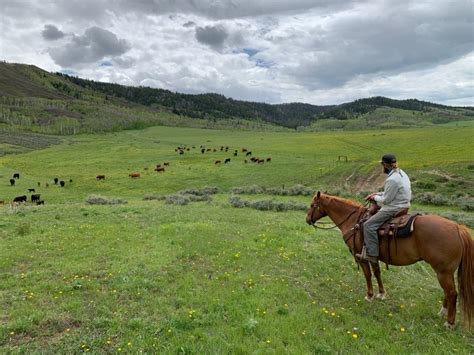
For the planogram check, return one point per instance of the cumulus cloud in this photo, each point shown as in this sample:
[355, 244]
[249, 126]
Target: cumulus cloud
[213, 36]
[52, 33]
[95, 44]
[315, 51]
[225, 9]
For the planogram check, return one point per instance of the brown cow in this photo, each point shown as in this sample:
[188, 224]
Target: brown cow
[134, 175]
[159, 169]
[217, 162]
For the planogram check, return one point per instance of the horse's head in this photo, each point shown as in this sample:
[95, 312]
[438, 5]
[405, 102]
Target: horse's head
[316, 210]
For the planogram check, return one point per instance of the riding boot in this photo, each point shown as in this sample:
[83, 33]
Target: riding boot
[364, 257]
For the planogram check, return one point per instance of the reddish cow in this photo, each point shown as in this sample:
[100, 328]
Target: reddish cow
[134, 175]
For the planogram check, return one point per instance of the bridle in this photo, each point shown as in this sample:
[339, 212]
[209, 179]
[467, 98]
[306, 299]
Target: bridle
[316, 206]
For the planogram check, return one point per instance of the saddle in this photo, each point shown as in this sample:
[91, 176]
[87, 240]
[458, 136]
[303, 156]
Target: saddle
[399, 226]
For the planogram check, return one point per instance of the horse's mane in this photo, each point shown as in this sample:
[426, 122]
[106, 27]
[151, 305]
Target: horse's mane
[344, 201]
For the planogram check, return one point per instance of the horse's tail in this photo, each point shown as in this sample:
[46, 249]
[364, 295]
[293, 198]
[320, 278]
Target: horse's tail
[466, 276]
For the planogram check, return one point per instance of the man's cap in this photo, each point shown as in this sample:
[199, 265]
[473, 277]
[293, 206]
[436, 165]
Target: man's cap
[388, 159]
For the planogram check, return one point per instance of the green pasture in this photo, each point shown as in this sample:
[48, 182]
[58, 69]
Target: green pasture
[206, 277]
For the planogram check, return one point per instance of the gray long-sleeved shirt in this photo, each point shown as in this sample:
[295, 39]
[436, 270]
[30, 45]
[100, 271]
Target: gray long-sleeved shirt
[397, 191]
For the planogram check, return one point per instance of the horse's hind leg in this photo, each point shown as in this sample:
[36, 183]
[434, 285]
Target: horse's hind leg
[368, 279]
[446, 280]
[378, 275]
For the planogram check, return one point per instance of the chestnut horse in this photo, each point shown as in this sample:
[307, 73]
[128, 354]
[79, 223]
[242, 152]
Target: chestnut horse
[442, 243]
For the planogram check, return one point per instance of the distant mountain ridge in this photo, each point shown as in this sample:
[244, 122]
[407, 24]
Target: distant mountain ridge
[27, 82]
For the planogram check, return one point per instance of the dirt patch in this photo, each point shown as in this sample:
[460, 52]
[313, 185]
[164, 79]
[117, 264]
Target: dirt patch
[356, 183]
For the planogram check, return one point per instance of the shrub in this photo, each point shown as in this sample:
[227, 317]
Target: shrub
[177, 199]
[248, 190]
[237, 202]
[184, 199]
[101, 200]
[208, 190]
[431, 198]
[267, 205]
[153, 197]
[297, 190]
[465, 203]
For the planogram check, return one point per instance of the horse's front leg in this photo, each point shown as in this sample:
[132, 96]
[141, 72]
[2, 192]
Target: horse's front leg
[378, 275]
[368, 279]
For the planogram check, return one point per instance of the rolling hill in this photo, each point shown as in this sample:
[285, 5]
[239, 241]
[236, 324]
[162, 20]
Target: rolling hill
[35, 100]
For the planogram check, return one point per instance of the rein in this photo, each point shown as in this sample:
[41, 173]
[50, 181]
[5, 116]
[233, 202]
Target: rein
[336, 225]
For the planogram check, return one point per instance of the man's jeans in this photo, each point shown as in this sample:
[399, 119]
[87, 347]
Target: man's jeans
[371, 226]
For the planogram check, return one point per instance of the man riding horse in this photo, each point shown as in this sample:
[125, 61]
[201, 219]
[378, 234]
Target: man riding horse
[394, 199]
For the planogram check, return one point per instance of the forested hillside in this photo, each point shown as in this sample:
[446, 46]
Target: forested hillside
[38, 101]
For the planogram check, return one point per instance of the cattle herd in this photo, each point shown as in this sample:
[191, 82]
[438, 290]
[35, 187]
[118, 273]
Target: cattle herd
[35, 198]
[247, 155]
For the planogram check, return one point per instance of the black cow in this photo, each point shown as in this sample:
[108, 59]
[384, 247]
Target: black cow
[40, 202]
[227, 161]
[56, 181]
[35, 198]
[12, 182]
[248, 153]
[20, 199]
[100, 177]
[62, 183]
[31, 190]
[16, 176]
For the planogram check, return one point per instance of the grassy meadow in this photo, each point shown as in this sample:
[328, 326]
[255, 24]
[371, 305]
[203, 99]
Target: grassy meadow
[206, 277]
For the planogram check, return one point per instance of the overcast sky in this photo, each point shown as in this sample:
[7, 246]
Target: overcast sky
[314, 51]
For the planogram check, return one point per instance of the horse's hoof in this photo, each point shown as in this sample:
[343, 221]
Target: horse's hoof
[369, 299]
[443, 312]
[449, 325]
[381, 296]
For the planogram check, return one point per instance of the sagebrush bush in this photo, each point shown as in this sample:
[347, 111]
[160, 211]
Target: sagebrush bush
[153, 197]
[465, 203]
[101, 200]
[267, 205]
[248, 190]
[178, 199]
[237, 202]
[207, 190]
[431, 198]
[296, 190]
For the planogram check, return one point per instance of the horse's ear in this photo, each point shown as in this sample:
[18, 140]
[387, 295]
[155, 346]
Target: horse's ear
[318, 195]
